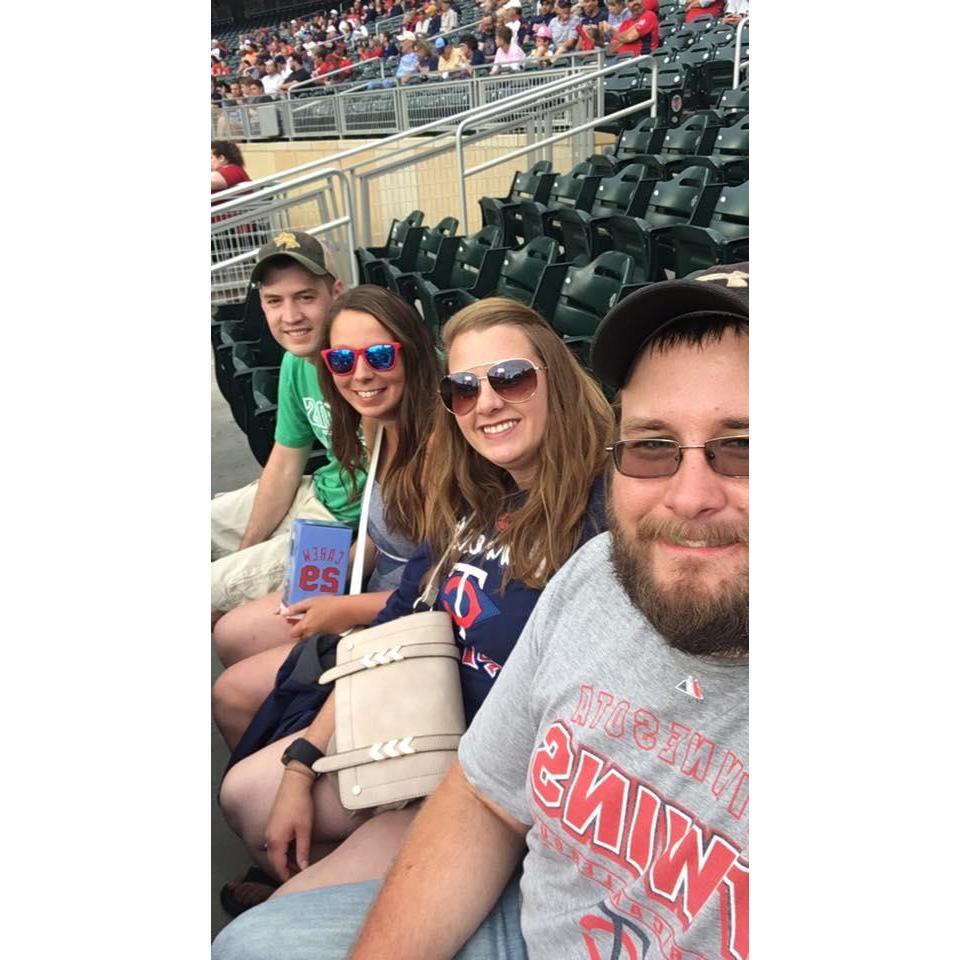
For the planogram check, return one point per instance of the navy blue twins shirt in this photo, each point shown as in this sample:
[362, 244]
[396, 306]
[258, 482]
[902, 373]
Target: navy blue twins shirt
[487, 620]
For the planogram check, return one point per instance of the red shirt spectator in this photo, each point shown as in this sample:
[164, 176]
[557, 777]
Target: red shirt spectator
[640, 32]
[694, 10]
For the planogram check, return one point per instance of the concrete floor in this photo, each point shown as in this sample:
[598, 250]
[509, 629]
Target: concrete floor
[232, 466]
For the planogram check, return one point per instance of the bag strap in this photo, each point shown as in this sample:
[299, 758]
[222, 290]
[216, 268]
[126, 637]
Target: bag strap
[394, 654]
[387, 750]
[356, 577]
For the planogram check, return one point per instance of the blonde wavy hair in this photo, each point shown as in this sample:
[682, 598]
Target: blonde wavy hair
[469, 493]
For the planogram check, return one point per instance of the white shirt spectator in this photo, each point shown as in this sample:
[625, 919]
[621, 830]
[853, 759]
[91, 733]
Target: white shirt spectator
[449, 21]
[271, 83]
[739, 7]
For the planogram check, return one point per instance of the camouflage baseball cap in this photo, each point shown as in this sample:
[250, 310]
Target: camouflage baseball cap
[306, 250]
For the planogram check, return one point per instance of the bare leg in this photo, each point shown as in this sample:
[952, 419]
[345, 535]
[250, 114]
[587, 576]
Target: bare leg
[240, 689]
[248, 792]
[250, 629]
[365, 855]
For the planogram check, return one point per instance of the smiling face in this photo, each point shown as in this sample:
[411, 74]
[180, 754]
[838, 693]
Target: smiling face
[295, 303]
[680, 542]
[372, 393]
[507, 434]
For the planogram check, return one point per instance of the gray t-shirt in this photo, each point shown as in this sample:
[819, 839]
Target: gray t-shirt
[629, 760]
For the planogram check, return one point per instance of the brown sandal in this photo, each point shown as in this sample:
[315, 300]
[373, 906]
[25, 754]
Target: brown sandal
[246, 890]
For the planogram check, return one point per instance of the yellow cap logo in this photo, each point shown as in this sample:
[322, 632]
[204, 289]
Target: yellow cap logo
[286, 240]
[735, 278]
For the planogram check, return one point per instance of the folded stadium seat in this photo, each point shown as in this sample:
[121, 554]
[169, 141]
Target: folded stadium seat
[725, 238]
[677, 42]
[646, 137]
[420, 252]
[248, 329]
[695, 59]
[732, 105]
[395, 236]
[533, 185]
[245, 358]
[519, 278]
[575, 189]
[716, 74]
[575, 299]
[221, 314]
[618, 198]
[687, 198]
[470, 264]
[409, 256]
[698, 26]
[731, 154]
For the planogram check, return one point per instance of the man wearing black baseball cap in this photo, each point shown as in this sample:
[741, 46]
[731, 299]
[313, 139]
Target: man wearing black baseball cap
[249, 527]
[610, 756]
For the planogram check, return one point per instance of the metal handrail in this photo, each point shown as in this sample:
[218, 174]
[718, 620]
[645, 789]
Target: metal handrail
[347, 220]
[248, 190]
[736, 51]
[540, 94]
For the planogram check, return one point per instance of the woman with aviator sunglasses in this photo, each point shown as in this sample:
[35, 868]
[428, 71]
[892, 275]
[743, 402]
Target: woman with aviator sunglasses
[515, 470]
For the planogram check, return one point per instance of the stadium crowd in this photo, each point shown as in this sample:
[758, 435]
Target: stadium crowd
[324, 47]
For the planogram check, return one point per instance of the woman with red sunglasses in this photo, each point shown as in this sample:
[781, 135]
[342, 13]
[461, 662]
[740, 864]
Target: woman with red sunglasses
[514, 469]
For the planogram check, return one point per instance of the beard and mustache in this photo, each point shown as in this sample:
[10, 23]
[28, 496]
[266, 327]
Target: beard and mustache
[694, 620]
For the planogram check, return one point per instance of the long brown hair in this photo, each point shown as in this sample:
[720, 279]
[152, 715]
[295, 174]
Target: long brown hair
[545, 529]
[401, 487]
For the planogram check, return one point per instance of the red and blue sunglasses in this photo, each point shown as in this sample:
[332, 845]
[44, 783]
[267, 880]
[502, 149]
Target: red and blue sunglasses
[342, 361]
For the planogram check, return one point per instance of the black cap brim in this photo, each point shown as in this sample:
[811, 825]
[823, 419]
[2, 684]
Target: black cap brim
[632, 322]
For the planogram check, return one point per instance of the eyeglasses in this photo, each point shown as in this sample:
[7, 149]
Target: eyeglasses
[650, 459]
[513, 380]
[342, 361]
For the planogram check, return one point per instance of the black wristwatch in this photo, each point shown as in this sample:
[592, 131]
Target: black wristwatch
[303, 751]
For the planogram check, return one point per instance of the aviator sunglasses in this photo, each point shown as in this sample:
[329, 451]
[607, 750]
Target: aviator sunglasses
[649, 459]
[513, 380]
[342, 361]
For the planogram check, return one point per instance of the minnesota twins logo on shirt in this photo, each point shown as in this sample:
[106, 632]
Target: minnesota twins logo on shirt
[464, 599]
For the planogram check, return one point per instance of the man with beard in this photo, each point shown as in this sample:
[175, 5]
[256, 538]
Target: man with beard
[611, 753]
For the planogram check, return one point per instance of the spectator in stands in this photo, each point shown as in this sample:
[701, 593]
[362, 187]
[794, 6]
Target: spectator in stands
[450, 60]
[702, 8]
[735, 10]
[487, 37]
[253, 91]
[249, 531]
[235, 94]
[544, 16]
[561, 769]
[449, 18]
[472, 54]
[509, 16]
[477, 477]
[226, 165]
[427, 56]
[592, 14]
[219, 68]
[616, 13]
[298, 72]
[390, 48]
[216, 91]
[396, 10]
[541, 54]
[509, 56]
[271, 78]
[640, 32]
[257, 637]
[563, 28]
[408, 68]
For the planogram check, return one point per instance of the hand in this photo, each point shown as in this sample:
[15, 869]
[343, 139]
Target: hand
[324, 614]
[291, 820]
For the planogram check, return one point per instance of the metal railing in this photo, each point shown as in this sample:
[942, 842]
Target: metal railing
[354, 109]
[241, 225]
[569, 84]
[737, 65]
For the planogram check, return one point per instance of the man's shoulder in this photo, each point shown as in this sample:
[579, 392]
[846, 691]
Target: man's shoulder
[585, 579]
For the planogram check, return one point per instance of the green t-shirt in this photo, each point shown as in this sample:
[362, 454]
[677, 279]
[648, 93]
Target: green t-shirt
[302, 414]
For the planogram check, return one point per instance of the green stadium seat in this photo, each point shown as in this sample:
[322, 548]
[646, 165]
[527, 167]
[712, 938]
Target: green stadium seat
[418, 239]
[389, 250]
[470, 264]
[725, 238]
[534, 185]
[574, 190]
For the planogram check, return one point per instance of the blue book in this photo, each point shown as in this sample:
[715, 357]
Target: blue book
[318, 562]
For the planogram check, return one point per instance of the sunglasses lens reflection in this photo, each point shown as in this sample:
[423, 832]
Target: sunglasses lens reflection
[341, 361]
[380, 356]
